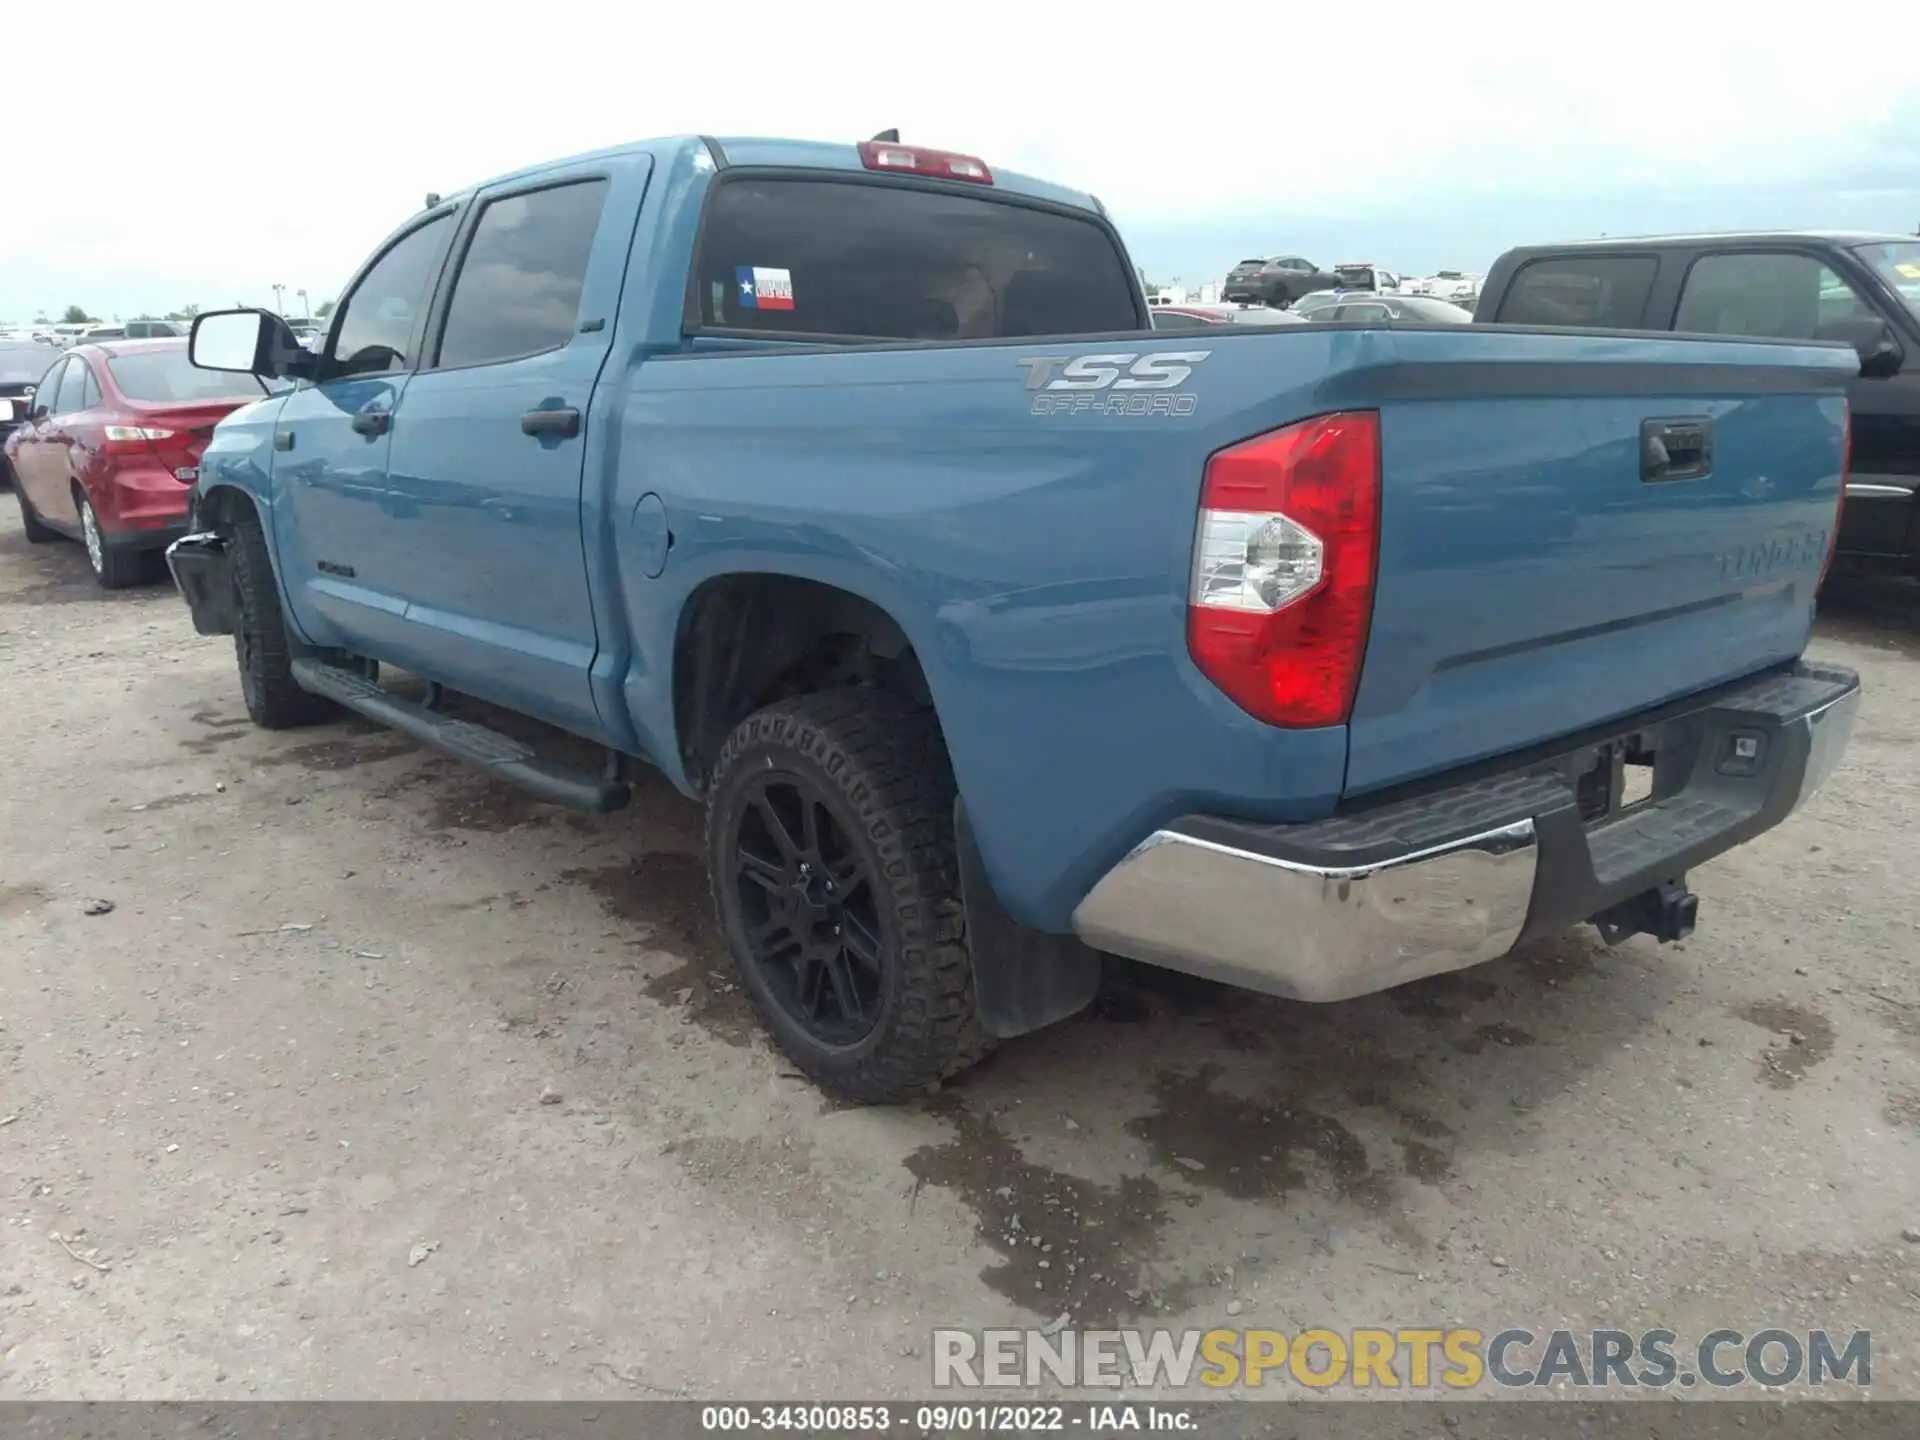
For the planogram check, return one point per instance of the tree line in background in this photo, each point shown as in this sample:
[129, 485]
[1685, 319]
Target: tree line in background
[78, 315]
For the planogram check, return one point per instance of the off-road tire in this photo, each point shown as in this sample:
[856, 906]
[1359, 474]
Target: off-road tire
[260, 643]
[890, 785]
[37, 530]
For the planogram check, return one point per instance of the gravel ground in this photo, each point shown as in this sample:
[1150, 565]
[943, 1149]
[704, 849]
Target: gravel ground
[380, 1080]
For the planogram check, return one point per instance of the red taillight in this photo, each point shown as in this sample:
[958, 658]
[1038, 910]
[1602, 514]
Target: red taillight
[1283, 568]
[1840, 504]
[914, 160]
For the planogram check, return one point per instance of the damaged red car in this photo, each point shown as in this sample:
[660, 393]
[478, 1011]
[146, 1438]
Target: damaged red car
[111, 447]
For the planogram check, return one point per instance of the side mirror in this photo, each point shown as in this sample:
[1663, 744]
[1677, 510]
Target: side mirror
[246, 342]
[1872, 338]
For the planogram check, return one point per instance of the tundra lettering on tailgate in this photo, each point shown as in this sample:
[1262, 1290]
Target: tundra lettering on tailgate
[1094, 384]
[1801, 552]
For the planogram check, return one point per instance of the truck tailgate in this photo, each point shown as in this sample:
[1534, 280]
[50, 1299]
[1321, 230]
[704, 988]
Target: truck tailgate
[1540, 573]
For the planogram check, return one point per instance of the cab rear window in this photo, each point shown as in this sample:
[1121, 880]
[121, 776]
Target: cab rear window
[1608, 291]
[870, 261]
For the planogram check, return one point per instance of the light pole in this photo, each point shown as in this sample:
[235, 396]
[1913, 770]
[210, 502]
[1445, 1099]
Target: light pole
[276, 298]
[306, 305]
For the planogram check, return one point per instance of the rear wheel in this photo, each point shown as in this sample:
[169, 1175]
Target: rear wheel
[260, 643]
[830, 845]
[37, 530]
[114, 569]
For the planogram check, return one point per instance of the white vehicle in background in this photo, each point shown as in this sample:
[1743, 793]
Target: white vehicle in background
[1365, 275]
[310, 332]
[68, 335]
[1455, 287]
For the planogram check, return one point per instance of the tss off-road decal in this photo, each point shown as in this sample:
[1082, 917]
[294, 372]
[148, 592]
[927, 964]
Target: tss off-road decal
[1123, 383]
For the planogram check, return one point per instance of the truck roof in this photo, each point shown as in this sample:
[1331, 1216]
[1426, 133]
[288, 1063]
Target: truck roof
[795, 154]
[1720, 237]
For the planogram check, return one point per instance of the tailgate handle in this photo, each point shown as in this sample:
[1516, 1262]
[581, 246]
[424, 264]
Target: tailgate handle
[1676, 449]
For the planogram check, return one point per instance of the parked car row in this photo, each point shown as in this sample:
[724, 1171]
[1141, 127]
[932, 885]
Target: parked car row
[63, 336]
[104, 445]
[1283, 281]
[1321, 306]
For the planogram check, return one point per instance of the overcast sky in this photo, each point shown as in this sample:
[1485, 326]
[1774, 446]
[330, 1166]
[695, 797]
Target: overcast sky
[201, 150]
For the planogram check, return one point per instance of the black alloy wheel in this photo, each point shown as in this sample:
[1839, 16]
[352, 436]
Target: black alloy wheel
[830, 843]
[807, 902]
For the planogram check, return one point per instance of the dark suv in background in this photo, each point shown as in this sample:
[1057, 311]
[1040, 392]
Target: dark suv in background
[1278, 280]
[1861, 289]
[22, 364]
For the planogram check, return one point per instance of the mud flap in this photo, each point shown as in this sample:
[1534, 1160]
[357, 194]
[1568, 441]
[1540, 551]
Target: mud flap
[1023, 979]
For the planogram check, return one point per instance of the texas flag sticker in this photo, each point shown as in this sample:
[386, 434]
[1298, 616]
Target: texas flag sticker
[763, 289]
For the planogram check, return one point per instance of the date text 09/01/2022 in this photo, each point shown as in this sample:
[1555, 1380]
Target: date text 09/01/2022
[1098, 1419]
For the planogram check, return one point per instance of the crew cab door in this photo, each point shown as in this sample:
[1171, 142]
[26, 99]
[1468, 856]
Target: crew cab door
[489, 444]
[344, 574]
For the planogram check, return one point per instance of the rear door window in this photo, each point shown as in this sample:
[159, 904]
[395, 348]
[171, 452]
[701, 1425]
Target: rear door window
[46, 394]
[518, 291]
[888, 262]
[73, 386]
[1772, 295]
[1608, 291]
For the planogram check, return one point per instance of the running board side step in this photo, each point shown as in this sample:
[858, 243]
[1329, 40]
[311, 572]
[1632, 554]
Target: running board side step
[485, 749]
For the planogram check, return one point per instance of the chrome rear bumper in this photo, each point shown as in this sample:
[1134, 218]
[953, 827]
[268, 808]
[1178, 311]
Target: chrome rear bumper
[1459, 874]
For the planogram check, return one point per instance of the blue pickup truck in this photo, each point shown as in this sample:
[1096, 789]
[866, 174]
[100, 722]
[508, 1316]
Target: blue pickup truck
[850, 487]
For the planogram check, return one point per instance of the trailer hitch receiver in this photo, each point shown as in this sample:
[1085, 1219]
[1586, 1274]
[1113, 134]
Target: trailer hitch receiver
[1668, 912]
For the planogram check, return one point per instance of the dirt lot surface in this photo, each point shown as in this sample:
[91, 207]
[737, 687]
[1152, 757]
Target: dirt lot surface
[355, 1007]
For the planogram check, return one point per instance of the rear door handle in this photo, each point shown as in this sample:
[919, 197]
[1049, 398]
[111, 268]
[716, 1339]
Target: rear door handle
[372, 422]
[565, 424]
[1676, 449]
